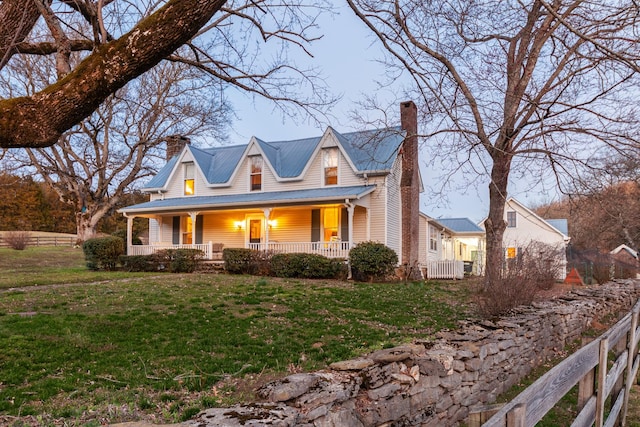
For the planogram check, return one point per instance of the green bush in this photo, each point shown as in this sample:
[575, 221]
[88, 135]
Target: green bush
[247, 261]
[123, 235]
[372, 261]
[139, 263]
[307, 266]
[103, 252]
[178, 260]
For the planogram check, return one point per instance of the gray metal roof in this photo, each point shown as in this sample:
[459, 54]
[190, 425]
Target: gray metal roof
[561, 225]
[369, 151]
[460, 225]
[318, 195]
[372, 150]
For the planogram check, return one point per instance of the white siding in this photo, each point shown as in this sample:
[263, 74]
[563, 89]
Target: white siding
[393, 225]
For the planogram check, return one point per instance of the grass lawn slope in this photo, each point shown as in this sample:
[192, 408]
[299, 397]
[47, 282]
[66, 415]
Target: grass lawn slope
[89, 348]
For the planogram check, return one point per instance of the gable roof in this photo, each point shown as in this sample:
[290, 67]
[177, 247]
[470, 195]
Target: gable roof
[625, 248]
[512, 201]
[460, 225]
[371, 151]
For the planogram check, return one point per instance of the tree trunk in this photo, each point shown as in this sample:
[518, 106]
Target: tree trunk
[495, 223]
[86, 227]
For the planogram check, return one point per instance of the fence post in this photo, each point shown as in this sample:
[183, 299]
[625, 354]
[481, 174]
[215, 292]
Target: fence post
[587, 384]
[631, 348]
[516, 416]
[602, 379]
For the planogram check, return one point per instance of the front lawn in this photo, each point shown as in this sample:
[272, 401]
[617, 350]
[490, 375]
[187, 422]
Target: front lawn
[162, 347]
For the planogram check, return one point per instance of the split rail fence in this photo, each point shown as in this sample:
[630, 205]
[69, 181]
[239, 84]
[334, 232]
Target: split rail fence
[604, 371]
[45, 241]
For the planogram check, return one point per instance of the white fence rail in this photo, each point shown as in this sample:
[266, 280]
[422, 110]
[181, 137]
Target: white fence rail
[447, 269]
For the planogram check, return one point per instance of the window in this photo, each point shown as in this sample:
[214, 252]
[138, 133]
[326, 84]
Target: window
[189, 181]
[511, 219]
[511, 253]
[433, 241]
[330, 223]
[256, 173]
[331, 166]
[187, 235]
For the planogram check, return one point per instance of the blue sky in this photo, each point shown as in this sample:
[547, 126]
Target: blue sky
[347, 56]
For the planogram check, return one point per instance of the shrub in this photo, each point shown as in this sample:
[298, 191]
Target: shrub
[372, 261]
[307, 266]
[535, 269]
[103, 252]
[18, 240]
[139, 262]
[178, 260]
[247, 261]
[123, 235]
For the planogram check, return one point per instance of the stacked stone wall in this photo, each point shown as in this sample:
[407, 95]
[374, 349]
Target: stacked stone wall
[433, 383]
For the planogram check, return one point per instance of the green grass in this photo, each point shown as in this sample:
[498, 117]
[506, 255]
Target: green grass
[170, 345]
[37, 266]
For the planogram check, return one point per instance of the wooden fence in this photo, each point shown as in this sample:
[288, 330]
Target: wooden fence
[604, 370]
[447, 269]
[45, 241]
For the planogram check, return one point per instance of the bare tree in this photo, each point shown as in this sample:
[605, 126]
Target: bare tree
[93, 165]
[119, 41]
[532, 87]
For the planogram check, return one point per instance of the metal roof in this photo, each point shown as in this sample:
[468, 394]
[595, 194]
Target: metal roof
[460, 225]
[561, 225]
[369, 151]
[318, 195]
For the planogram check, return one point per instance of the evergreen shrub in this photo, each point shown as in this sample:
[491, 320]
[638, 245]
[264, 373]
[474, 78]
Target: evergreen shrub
[103, 253]
[372, 261]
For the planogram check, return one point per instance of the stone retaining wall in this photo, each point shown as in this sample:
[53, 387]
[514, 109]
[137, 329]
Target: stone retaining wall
[431, 383]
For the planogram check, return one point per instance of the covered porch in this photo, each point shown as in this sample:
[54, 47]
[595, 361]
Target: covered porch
[327, 222]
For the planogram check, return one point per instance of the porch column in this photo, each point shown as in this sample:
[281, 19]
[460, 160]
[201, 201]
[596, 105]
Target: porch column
[267, 216]
[350, 210]
[129, 232]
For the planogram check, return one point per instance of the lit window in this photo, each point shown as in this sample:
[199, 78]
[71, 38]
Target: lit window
[511, 253]
[256, 173]
[511, 219]
[189, 181]
[330, 223]
[187, 235]
[331, 166]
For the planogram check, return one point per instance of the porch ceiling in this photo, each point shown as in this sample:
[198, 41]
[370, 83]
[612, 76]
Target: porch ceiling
[239, 201]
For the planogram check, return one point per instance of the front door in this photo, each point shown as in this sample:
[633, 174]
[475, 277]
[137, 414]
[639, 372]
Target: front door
[255, 230]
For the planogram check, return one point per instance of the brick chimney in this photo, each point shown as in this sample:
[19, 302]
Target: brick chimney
[410, 188]
[175, 144]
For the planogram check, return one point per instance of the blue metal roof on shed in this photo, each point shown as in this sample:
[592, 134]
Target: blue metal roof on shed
[460, 225]
[274, 197]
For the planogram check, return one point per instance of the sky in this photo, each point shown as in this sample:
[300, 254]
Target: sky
[347, 55]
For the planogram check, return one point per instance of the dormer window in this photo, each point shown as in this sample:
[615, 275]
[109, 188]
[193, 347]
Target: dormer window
[331, 166]
[189, 179]
[256, 173]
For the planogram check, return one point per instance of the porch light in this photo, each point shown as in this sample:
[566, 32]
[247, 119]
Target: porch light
[239, 225]
[272, 223]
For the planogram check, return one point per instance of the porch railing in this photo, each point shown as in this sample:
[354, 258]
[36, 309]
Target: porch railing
[207, 248]
[447, 269]
[328, 249]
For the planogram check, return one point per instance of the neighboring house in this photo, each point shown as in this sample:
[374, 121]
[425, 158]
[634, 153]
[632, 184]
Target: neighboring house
[525, 227]
[468, 243]
[316, 195]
